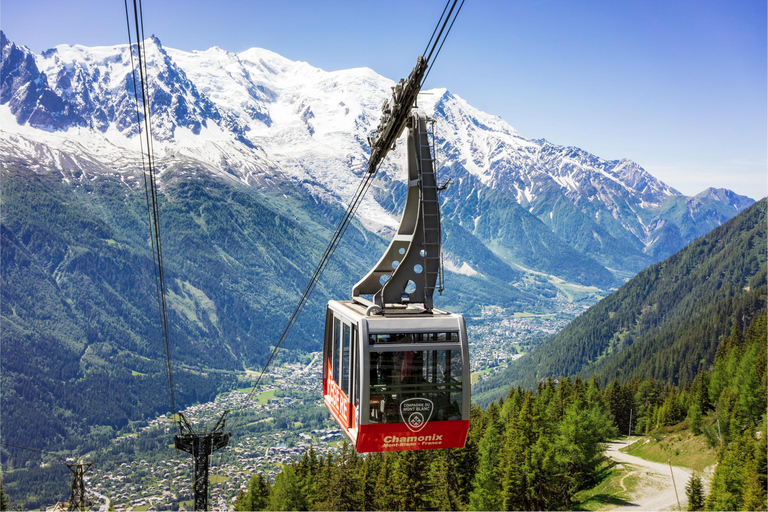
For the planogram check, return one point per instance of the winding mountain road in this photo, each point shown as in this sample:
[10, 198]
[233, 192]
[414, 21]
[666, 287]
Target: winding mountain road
[656, 491]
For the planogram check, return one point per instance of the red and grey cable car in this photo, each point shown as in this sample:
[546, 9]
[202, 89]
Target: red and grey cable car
[395, 368]
[397, 381]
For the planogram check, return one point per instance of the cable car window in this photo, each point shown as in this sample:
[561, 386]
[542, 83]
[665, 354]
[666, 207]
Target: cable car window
[345, 366]
[417, 337]
[355, 363]
[431, 375]
[336, 349]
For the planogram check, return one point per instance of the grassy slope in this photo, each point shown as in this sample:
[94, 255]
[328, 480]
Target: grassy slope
[678, 446]
[614, 488]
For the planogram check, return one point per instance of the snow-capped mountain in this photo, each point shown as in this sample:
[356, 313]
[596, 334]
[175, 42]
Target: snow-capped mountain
[259, 119]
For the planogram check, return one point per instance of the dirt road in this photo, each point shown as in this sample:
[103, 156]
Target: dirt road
[656, 491]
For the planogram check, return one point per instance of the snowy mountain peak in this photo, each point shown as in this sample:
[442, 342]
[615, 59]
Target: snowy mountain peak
[267, 63]
[26, 91]
[728, 197]
[259, 118]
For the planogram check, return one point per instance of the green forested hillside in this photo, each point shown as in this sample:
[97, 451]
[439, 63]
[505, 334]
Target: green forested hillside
[667, 321]
[737, 393]
[535, 450]
[81, 345]
[78, 308]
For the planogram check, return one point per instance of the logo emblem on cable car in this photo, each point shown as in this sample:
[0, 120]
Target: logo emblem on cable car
[416, 412]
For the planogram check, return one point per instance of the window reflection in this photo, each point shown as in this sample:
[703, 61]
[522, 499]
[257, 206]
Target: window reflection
[418, 337]
[434, 375]
[336, 349]
[345, 370]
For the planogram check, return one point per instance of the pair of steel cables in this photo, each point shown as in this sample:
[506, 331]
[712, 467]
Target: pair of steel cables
[143, 116]
[150, 188]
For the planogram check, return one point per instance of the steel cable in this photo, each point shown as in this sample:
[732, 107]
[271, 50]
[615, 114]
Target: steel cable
[441, 44]
[150, 186]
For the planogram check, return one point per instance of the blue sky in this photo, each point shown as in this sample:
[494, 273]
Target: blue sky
[678, 86]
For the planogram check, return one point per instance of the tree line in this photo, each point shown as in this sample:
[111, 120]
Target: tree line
[532, 450]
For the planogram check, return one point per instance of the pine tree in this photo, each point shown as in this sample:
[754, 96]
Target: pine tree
[694, 418]
[486, 492]
[620, 403]
[756, 474]
[700, 391]
[695, 492]
[728, 480]
[371, 467]
[545, 472]
[349, 483]
[512, 404]
[409, 487]
[585, 426]
[3, 499]
[287, 491]
[646, 397]
[441, 482]
[466, 459]
[307, 470]
[514, 457]
[383, 495]
[754, 492]
[256, 496]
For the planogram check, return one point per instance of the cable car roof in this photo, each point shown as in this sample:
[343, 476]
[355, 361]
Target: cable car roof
[403, 319]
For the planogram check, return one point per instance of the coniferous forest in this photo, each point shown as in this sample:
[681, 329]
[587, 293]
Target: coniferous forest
[535, 449]
[668, 320]
[532, 451]
[682, 345]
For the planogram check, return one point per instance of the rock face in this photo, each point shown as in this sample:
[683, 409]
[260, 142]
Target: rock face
[260, 119]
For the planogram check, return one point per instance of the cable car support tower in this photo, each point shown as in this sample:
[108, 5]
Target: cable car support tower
[79, 500]
[201, 445]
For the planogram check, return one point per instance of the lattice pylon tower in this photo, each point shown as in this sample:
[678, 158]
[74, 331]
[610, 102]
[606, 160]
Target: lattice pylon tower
[78, 500]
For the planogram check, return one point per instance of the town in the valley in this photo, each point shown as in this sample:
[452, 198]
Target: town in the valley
[280, 421]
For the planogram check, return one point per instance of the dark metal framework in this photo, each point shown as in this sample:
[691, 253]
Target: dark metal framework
[78, 500]
[201, 445]
[410, 270]
[395, 113]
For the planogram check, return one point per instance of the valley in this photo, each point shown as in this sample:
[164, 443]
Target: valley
[277, 426]
[283, 419]
[137, 467]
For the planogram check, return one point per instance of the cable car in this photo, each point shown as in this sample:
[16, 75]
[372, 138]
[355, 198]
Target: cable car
[397, 381]
[395, 368]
